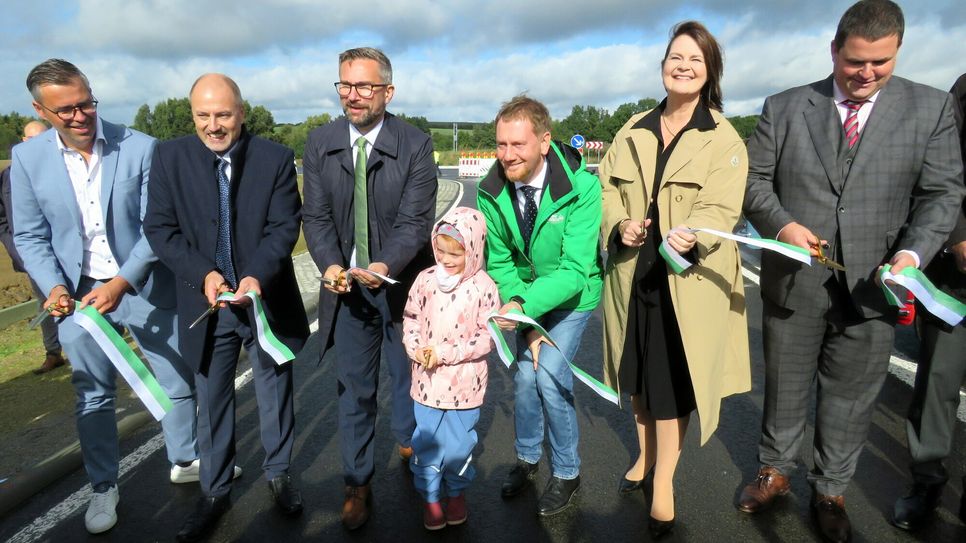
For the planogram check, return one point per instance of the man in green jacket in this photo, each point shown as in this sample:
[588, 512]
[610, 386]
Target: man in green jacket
[543, 211]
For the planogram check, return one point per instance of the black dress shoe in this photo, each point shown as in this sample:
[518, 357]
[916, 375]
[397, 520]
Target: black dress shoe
[627, 486]
[659, 528]
[206, 514]
[287, 497]
[913, 510]
[558, 496]
[518, 478]
[833, 521]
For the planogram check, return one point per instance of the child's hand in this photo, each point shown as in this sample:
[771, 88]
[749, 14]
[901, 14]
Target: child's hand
[430, 359]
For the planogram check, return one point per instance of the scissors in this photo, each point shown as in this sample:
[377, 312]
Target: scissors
[826, 261]
[43, 315]
[211, 309]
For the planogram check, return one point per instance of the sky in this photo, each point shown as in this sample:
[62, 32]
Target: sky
[452, 61]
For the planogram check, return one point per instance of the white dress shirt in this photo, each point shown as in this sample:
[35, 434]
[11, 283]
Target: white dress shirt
[85, 177]
[863, 116]
[370, 136]
[537, 182]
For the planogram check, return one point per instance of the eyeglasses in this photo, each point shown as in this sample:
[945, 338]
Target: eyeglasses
[67, 113]
[365, 90]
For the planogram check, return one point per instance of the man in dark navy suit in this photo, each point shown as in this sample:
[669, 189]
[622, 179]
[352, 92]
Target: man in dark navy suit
[367, 172]
[223, 214]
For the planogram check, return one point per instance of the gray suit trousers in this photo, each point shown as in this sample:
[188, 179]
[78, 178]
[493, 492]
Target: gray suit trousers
[848, 359]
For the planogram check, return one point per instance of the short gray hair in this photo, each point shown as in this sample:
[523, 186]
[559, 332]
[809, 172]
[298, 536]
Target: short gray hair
[54, 71]
[370, 53]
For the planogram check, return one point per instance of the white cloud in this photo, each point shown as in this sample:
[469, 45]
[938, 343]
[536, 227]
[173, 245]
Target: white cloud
[452, 60]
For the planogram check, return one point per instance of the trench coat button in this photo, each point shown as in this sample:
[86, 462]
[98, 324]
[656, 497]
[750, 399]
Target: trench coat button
[678, 198]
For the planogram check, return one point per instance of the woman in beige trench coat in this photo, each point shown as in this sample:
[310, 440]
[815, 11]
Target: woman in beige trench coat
[689, 163]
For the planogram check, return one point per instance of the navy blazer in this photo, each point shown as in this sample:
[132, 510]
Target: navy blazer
[181, 224]
[401, 184]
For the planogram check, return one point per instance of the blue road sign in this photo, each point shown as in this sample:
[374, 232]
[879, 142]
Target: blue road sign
[577, 141]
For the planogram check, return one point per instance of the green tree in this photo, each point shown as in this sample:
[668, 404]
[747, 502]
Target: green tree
[295, 136]
[745, 126]
[172, 119]
[142, 120]
[259, 121]
[419, 122]
[11, 130]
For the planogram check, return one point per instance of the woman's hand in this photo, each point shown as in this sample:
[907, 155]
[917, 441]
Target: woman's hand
[633, 232]
[681, 240]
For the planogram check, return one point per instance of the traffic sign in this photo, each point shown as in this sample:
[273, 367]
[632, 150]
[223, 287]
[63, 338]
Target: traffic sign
[598, 145]
[577, 141]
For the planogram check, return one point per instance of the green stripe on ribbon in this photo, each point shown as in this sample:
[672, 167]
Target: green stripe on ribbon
[679, 264]
[945, 307]
[127, 363]
[508, 358]
[267, 339]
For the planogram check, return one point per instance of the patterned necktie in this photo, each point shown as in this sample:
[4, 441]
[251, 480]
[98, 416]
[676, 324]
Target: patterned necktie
[360, 206]
[529, 216]
[223, 246]
[851, 124]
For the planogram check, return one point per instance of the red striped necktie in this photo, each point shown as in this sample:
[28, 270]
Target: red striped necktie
[851, 124]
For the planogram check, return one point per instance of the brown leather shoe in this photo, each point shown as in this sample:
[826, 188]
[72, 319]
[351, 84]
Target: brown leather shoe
[52, 362]
[833, 521]
[405, 453]
[760, 493]
[355, 510]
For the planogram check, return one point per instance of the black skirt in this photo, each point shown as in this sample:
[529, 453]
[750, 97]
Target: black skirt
[653, 363]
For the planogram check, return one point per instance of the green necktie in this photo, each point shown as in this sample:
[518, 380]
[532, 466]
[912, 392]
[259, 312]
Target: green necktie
[360, 206]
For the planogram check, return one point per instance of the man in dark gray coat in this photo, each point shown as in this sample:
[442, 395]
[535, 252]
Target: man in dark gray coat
[942, 367]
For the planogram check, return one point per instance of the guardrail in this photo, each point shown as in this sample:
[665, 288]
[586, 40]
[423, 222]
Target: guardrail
[17, 313]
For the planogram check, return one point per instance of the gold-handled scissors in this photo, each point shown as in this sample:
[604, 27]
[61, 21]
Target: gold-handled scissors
[826, 261]
[211, 309]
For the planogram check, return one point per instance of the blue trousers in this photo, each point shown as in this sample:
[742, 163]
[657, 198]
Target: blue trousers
[94, 378]
[550, 391]
[443, 450]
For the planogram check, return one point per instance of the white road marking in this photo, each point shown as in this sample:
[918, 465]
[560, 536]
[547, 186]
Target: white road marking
[79, 499]
[902, 369]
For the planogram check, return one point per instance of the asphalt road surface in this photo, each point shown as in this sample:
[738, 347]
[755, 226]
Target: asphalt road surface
[708, 479]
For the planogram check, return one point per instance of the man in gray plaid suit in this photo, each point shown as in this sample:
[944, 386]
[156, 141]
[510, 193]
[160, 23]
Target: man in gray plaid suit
[865, 166]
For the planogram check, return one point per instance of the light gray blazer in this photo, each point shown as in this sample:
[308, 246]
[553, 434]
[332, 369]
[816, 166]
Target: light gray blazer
[902, 191]
[47, 220]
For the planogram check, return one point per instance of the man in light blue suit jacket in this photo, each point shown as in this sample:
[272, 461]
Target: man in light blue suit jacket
[79, 193]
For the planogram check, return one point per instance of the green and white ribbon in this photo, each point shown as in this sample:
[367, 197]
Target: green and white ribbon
[125, 361]
[945, 307]
[507, 356]
[263, 332]
[385, 278]
[678, 263]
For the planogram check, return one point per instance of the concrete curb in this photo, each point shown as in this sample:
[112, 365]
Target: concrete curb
[17, 313]
[20, 487]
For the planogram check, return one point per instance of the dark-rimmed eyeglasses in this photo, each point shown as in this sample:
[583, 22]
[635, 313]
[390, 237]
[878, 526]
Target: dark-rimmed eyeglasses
[67, 113]
[365, 90]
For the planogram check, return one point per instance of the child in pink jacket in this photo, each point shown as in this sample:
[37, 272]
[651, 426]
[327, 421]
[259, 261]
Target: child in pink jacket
[445, 335]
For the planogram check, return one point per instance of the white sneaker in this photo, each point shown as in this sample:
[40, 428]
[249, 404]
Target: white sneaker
[101, 515]
[191, 473]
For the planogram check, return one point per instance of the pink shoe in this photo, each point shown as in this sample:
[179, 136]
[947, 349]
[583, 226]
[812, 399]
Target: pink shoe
[433, 518]
[456, 510]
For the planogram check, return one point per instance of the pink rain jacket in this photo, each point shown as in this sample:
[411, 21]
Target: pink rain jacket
[454, 323]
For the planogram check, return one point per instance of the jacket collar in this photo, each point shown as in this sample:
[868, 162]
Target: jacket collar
[563, 163]
[387, 143]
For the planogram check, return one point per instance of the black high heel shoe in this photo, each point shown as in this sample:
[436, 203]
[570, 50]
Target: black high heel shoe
[659, 528]
[627, 486]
